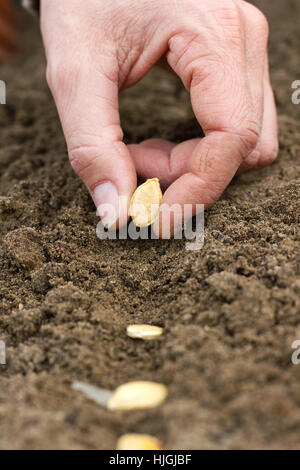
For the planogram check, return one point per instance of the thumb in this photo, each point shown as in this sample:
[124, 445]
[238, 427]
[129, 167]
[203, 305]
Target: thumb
[87, 102]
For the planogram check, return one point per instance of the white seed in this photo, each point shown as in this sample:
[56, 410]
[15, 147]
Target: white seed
[145, 203]
[138, 442]
[145, 332]
[137, 396]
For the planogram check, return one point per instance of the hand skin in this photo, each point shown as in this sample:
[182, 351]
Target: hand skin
[219, 50]
[7, 29]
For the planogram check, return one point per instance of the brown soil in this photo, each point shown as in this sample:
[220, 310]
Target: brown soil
[231, 311]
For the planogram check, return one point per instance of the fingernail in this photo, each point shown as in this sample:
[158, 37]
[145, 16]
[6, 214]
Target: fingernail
[106, 199]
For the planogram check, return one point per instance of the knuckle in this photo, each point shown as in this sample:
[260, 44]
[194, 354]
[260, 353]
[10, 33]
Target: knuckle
[190, 60]
[204, 71]
[82, 157]
[86, 152]
[248, 134]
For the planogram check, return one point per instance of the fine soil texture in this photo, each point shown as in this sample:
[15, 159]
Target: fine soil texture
[230, 311]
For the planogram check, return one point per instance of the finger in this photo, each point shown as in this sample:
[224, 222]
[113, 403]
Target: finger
[259, 81]
[211, 167]
[267, 148]
[269, 145]
[87, 102]
[162, 159]
[158, 144]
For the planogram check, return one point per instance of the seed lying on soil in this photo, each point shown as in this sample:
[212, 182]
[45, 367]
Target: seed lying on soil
[137, 396]
[138, 442]
[145, 203]
[145, 332]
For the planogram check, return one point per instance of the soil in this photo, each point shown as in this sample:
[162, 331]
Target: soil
[231, 311]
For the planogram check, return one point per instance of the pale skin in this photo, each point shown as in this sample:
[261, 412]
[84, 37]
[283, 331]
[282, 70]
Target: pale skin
[218, 48]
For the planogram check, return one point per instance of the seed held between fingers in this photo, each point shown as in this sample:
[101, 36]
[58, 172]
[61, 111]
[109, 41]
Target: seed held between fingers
[145, 332]
[137, 396]
[145, 203]
[138, 442]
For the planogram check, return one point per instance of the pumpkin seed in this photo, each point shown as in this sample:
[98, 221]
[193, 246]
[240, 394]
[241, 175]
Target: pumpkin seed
[137, 395]
[138, 442]
[145, 203]
[145, 332]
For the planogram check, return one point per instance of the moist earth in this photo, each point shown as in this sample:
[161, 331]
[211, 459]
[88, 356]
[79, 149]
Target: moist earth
[230, 311]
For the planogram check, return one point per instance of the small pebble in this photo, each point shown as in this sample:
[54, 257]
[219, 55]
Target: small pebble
[144, 332]
[138, 442]
[137, 396]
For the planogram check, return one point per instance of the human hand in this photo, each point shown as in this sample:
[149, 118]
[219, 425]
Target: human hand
[7, 29]
[219, 50]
